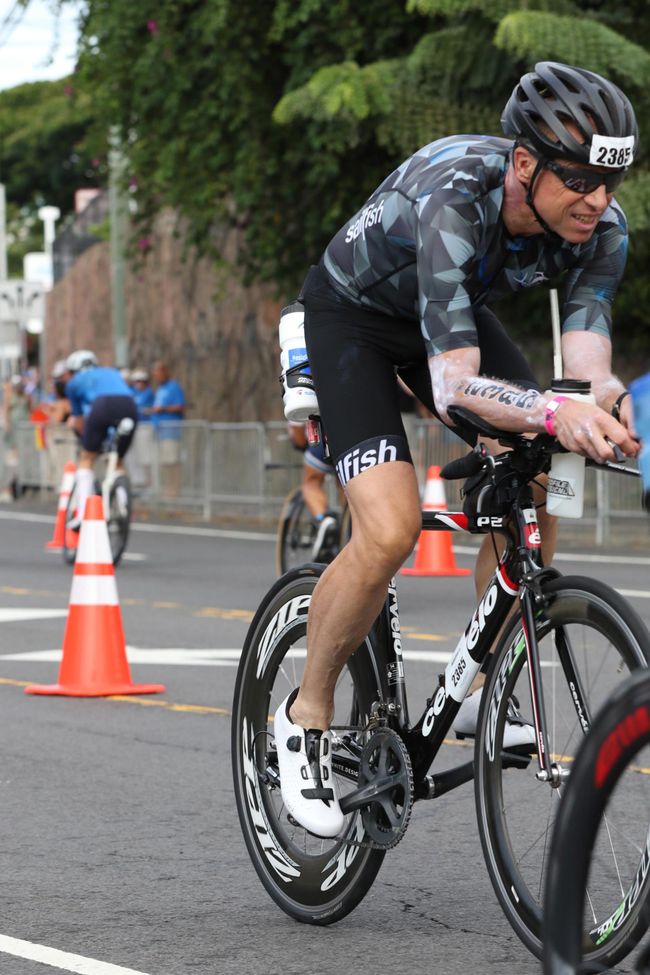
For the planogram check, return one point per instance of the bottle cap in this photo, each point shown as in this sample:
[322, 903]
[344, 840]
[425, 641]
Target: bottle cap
[567, 386]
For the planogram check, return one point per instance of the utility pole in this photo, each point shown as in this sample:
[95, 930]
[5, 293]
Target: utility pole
[3, 233]
[49, 215]
[118, 221]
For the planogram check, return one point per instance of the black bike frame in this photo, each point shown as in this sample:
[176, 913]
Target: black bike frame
[517, 576]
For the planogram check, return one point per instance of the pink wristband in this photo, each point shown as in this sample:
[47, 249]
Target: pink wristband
[550, 411]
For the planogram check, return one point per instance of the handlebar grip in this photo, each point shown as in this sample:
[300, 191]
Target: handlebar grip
[463, 467]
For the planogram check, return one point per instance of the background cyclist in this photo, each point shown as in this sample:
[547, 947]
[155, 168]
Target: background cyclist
[99, 398]
[404, 284]
[315, 467]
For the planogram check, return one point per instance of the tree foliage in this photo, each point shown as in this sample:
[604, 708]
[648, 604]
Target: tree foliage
[43, 157]
[282, 116]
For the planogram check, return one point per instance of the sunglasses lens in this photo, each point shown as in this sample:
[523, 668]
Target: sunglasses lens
[588, 183]
[580, 184]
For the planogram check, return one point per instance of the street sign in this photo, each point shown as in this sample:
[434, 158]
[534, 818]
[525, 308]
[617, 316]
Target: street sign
[21, 300]
[22, 309]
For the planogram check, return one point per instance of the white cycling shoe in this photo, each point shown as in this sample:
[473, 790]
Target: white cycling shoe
[308, 786]
[517, 734]
[325, 531]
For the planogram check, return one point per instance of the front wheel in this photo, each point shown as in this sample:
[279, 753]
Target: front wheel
[616, 751]
[314, 880]
[589, 640]
[118, 517]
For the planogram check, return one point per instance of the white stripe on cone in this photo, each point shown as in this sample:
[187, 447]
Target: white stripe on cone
[94, 545]
[434, 494]
[93, 591]
[66, 488]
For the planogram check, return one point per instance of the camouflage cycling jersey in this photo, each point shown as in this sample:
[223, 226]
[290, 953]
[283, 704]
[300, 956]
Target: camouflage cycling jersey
[430, 244]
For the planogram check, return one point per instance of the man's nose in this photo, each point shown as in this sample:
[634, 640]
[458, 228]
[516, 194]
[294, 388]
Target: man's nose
[599, 199]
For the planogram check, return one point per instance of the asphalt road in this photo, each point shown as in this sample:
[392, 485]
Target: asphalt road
[121, 848]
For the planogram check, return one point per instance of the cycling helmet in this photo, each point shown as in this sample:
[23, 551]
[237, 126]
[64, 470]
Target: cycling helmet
[59, 368]
[81, 359]
[554, 94]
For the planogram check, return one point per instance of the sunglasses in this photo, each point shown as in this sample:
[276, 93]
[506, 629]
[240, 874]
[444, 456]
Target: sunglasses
[585, 180]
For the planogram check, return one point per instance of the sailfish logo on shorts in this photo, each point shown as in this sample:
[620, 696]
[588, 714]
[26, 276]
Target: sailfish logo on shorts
[367, 455]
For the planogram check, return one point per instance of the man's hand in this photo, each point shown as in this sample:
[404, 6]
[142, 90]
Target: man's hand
[584, 428]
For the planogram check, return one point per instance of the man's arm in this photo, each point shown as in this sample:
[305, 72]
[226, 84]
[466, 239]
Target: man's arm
[580, 427]
[588, 355]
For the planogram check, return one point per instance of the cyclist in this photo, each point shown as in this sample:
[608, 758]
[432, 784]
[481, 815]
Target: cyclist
[405, 284]
[99, 398]
[314, 470]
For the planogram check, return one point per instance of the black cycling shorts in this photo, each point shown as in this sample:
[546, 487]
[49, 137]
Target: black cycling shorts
[354, 354]
[105, 414]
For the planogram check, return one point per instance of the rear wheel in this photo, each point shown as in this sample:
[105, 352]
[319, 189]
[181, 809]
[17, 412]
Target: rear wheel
[589, 639]
[118, 519]
[314, 880]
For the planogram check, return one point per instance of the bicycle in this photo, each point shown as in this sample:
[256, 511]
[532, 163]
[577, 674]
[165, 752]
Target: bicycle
[115, 490]
[556, 658]
[616, 749]
[296, 534]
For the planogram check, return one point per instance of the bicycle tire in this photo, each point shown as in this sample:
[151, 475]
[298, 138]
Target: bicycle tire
[313, 880]
[515, 815]
[118, 520]
[619, 735]
[68, 551]
[295, 535]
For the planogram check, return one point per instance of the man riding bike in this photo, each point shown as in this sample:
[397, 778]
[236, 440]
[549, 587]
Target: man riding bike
[403, 286]
[99, 398]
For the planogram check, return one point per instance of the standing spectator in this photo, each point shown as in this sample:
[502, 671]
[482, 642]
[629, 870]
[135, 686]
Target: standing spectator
[139, 460]
[15, 409]
[60, 441]
[168, 408]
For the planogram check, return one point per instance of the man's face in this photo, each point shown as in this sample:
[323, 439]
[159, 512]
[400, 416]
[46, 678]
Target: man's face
[574, 216]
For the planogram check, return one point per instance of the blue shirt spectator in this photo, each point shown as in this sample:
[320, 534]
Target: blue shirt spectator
[168, 402]
[85, 386]
[142, 394]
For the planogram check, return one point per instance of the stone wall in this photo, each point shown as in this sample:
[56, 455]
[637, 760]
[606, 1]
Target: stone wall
[218, 336]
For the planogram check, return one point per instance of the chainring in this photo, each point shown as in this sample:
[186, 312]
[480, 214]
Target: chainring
[386, 764]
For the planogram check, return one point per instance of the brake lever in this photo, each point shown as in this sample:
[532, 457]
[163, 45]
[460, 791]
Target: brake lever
[619, 456]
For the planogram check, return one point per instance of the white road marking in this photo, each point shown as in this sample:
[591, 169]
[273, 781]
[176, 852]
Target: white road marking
[134, 557]
[634, 593]
[188, 657]
[63, 960]
[23, 615]
[271, 537]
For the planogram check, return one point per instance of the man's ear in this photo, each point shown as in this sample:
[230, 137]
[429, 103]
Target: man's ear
[524, 164]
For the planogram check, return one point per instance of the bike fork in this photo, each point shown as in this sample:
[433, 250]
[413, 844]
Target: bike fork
[549, 771]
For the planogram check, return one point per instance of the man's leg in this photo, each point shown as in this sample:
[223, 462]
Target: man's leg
[465, 722]
[85, 479]
[386, 518]
[313, 491]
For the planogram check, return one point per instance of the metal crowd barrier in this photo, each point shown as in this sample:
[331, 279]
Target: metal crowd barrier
[230, 470]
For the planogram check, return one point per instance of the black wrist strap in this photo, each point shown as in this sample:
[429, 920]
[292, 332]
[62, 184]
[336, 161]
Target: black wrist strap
[616, 408]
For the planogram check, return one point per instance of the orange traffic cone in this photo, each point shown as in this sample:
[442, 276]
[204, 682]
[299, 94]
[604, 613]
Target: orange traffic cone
[56, 542]
[434, 555]
[94, 660]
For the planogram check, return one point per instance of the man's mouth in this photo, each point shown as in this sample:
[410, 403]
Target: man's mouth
[587, 220]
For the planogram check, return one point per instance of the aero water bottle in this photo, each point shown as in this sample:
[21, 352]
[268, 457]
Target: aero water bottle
[566, 479]
[299, 396]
